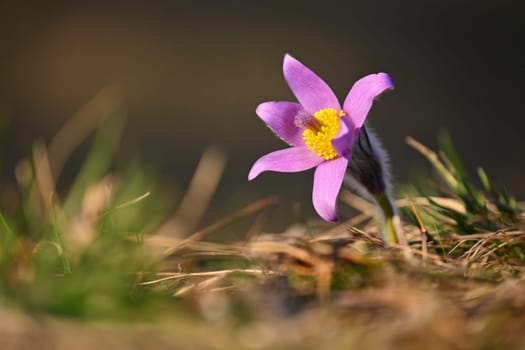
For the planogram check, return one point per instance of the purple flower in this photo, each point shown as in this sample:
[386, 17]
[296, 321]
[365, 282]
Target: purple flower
[319, 131]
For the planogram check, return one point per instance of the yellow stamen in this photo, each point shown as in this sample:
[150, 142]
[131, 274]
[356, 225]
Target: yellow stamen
[318, 140]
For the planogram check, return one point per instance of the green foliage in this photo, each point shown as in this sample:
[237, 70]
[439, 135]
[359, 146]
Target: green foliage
[485, 209]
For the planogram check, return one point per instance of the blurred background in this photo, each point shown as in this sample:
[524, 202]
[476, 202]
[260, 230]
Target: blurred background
[190, 74]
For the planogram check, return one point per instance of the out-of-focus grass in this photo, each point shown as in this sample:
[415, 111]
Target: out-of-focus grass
[107, 249]
[80, 255]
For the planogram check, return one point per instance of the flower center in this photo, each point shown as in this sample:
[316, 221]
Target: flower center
[320, 130]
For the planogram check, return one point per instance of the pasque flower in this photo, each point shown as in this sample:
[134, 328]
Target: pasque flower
[320, 133]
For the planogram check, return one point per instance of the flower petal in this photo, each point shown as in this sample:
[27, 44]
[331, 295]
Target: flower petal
[345, 138]
[328, 179]
[361, 96]
[311, 91]
[279, 116]
[289, 160]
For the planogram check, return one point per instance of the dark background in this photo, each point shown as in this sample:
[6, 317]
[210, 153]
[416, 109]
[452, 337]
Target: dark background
[192, 74]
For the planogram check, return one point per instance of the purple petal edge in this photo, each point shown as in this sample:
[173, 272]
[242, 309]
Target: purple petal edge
[328, 179]
[280, 116]
[360, 98]
[342, 143]
[289, 160]
[311, 91]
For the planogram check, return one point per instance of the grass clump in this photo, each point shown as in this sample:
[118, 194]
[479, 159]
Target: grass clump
[79, 256]
[107, 250]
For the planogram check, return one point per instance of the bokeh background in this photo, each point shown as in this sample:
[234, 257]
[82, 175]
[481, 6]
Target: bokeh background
[192, 72]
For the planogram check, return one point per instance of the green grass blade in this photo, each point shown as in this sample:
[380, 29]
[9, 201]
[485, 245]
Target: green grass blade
[4, 226]
[97, 163]
[447, 146]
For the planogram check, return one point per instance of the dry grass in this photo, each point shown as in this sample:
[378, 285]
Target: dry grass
[337, 289]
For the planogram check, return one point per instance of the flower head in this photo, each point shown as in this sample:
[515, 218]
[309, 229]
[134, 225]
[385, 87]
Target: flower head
[319, 131]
